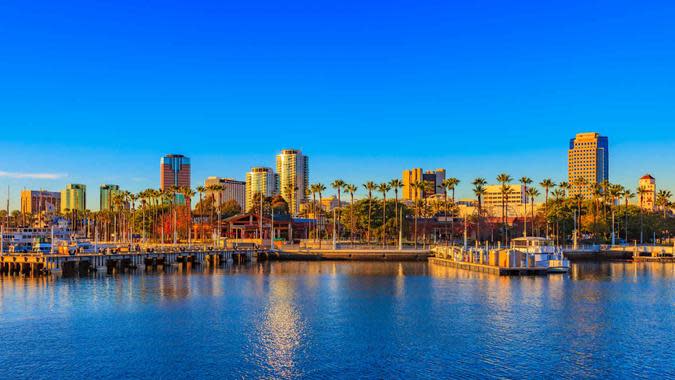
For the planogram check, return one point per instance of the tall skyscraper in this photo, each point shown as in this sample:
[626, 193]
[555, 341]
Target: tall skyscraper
[74, 197]
[106, 193]
[37, 201]
[293, 171]
[433, 178]
[648, 200]
[174, 170]
[232, 190]
[588, 160]
[260, 180]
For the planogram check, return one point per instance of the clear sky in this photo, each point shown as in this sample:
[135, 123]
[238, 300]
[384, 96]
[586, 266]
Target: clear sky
[96, 91]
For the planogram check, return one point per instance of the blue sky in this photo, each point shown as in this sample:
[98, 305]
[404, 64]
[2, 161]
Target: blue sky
[95, 92]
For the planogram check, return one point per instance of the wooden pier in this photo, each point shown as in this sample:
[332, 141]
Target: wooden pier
[33, 264]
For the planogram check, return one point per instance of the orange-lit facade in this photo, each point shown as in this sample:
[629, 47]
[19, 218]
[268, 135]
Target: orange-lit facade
[587, 159]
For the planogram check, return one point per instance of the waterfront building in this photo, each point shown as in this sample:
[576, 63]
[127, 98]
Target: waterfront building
[106, 195]
[260, 180]
[648, 200]
[37, 201]
[515, 199]
[231, 190]
[587, 158]
[174, 172]
[434, 179]
[74, 197]
[293, 171]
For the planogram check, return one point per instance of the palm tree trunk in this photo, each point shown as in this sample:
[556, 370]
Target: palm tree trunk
[384, 219]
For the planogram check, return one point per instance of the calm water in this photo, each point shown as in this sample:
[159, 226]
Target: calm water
[342, 320]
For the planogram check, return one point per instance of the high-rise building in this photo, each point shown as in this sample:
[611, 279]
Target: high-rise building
[231, 190]
[74, 197]
[106, 194]
[587, 162]
[174, 171]
[293, 171]
[432, 178]
[37, 201]
[648, 199]
[260, 180]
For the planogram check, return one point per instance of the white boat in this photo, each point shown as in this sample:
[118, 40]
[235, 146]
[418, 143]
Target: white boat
[544, 253]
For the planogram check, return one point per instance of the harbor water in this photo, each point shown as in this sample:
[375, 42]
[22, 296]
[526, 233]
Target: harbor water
[341, 320]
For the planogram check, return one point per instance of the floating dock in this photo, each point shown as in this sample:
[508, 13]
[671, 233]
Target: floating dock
[346, 255]
[491, 269]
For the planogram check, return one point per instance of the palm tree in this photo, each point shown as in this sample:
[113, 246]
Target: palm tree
[188, 193]
[396, 184]
[418, 188]
[580, 183]
[504, 179]
[338, 184]
[384, 188]
[201, 190]
[313, 189]
[597, 192]
[547, 184]
[479, 190]
[370, 187]
[320, 188]
[614, 192]
[565, 186]
[663, 200]
[641, 192]
[627, 196]
[449, 184]
[351, 189]
[525, 181]
[533, 193]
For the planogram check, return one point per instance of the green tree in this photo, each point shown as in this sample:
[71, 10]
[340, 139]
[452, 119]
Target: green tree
[370, 187]
[338, 184]
[384, 188]
[547, 184]
[351, 189]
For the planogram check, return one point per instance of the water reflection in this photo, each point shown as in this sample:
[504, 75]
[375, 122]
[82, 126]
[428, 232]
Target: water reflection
[280, 330]
[344, 320]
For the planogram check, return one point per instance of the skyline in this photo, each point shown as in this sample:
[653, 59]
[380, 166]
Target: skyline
[463, 190]
[94, 94]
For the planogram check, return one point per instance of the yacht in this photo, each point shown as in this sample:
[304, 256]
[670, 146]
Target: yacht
[544, 253]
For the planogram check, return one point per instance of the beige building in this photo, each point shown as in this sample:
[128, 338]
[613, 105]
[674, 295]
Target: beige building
[515, 199]
[232, 190]
[260, 180]
[74, 197]
[293, 172]
[587, 159]
[37, 201]
[648, 201]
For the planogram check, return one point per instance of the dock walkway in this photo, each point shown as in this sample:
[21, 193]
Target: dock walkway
[38, 263]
